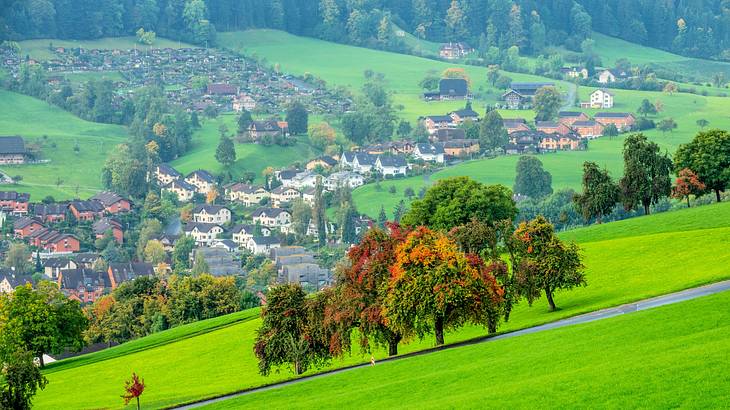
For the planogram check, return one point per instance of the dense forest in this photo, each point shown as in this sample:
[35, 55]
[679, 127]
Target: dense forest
[690, 27]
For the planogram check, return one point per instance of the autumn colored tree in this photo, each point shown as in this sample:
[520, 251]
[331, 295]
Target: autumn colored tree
[363, 283]
[286, 335]
[548, 264]
[687, 184]
[133, 388]
[456, 201]
[435, 287]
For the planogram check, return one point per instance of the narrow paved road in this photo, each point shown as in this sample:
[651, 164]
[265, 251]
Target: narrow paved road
[645, 304]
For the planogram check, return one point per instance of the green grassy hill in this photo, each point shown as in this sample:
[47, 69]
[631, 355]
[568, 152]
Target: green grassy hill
[222, 361]
[32, 119]
[669, 357]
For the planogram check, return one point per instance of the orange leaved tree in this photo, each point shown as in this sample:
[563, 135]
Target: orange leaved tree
[133, 388]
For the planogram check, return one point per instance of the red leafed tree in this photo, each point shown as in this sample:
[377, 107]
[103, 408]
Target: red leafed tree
[688, 183]
[133, 388]
[363, 286]
[434, 286]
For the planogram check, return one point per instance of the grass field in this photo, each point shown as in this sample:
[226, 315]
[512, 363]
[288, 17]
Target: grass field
[39, 49]
[249, 157]
[617, 272]
[80, 173]
[668, 357]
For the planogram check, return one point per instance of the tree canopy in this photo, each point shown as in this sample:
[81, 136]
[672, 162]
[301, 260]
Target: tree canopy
[708, 156]
[532, 179]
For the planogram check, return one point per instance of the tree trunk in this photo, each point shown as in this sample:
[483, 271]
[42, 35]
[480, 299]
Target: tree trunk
[297, 367]
[688, 201]
[647, 209]
[439, 330]
[137, 402]
[393, 345]
[40, 359]
[717, 194]
[549, 295]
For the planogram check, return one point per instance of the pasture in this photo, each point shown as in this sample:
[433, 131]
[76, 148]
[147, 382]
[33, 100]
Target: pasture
[222, 360]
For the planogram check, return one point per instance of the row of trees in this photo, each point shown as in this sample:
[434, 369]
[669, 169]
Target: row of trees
[444, 268]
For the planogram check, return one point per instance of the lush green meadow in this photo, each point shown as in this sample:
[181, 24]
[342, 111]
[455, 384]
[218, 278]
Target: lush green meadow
[40, 49]
[249, 157]
[79, 174]
[668, 357]
[222, 361]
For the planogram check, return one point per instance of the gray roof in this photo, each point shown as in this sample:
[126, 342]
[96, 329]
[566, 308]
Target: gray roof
[24, 221]
[107, 198]
[271, 212]
[433, 149]
[49, 209]
[123, 272]
[392, 161]
[453, 86]
[266, 240]
[168, 170]
[202, 174]
[202, 227]
[101, 226]
[180, 184]
[12, 145]
[211, 209]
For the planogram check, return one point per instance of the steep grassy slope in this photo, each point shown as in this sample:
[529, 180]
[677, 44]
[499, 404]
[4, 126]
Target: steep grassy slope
[658, 259]
[674, 356]
[79, 174]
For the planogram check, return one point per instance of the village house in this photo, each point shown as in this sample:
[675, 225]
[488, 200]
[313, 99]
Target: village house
[574, 72]
[622, 120]
[513, 125]
[601, 98]
[569, 117]
[25, 226]
[182, 189]
[612, 75]
[284, 195]
[325, 162]
[433, 123]
[165, 174]
[552, 127]
[12, 150]
[305, 274]
[430, 152]
[202, 180]
[243, 102]
[521, 95]
[285, 176]
[113, 202]
[557, 142]
[84, 285]
[272, 218]
[14, 202]
[309, 196]
[359, 162]
[211, 214]
[462, 115]
[124, 272]
[461, 148]
[342, 179]
[524, 142]
[104, 225]
[588, 129]
[445, 134]
[52, 267]
[203, 233]
[221, 89]
[220, 258]
[270, 128]
[453, 89]
[247, 194]
[86, 210]
[167, 240]
[240, 234]
[86, 259]
[262, 245]
[453, 51]
[49, 213]
[9, 281]
[53, 241]
[302, 180]
[391, 165]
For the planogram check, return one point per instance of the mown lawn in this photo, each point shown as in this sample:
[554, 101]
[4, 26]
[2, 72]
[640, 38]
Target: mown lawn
[79, 174]
[249, 157]
[618, 271]
[669, 357]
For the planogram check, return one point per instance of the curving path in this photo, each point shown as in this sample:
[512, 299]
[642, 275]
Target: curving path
[645, 304]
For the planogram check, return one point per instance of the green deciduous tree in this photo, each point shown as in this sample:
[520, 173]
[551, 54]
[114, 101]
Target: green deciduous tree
[667, 125]
[600, 194]
[708, 155]
[456, 201]
[17, 258]
[547, 103]
[20, 379]
[646, 173]
[225, 153]
[646, 108]
[532, 179]
[492, 134]
[297, 117]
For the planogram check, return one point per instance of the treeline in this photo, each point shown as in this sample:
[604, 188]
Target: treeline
[698, 28]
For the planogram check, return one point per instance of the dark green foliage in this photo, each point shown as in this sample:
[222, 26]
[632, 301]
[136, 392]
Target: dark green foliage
[600, 193]
[456, 201]
[492, 133]
[547, 103]
[225, 153]
[297, 117]
[708, 156]
[646, 108]
[532, 179]
[20, 380]
[646, 173]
